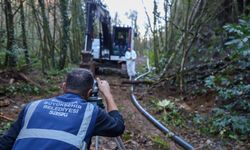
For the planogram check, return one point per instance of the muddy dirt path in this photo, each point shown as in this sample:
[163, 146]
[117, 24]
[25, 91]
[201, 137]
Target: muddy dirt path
[138, 134]
[139, 131]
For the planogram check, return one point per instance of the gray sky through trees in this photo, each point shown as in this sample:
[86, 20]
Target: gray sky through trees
[123, 6]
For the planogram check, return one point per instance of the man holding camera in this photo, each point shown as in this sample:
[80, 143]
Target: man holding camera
[68, 121]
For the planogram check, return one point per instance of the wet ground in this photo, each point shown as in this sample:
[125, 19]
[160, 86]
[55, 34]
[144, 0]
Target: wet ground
[139, 131]
[140, 134]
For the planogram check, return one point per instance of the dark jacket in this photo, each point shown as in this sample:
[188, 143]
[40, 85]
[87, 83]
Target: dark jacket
[102, 124]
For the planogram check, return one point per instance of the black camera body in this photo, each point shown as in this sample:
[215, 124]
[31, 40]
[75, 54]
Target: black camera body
[94, 98]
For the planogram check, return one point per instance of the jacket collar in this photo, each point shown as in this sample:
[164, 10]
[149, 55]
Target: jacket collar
[68, 96]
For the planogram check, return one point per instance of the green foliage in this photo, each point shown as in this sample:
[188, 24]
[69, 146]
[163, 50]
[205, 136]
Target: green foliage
[225, 88]
[150, 54]
[165, 104]
[162, 144]
[215, 81]
[171, 114]
[231, 126]
[198, 119]
[55, 76]
[203, 123]
[231, 120]
[17, 51]
[4, 126]
[239, 36]
[36, 62]
[22, 88]
[234, 92]
[224, 124]
[140, 69]
[55, 72]
[239, 106]
[162, 58]
[54, 88]
[2, 57]
[174, 118]
[127, 136]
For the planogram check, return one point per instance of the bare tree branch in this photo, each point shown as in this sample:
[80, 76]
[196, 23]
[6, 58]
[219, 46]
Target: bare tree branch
[149, 22]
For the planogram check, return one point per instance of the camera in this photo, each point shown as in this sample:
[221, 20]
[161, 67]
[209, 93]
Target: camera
[94, 98]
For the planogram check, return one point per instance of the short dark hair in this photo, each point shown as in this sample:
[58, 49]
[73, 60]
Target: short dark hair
[80, 79]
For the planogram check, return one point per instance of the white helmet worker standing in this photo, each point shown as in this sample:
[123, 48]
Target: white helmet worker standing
[130, 56]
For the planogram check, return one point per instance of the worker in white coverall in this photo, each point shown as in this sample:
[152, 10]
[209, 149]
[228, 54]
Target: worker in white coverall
[130, 56]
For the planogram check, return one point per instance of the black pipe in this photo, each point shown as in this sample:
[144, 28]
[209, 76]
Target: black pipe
[159, 125]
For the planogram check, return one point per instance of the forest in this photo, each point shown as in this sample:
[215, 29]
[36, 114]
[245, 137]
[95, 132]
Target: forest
[199, 49]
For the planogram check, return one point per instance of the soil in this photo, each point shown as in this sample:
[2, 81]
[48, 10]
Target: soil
[140, 134]
[138, 128]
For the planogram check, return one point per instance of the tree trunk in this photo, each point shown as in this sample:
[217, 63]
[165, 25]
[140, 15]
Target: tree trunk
[47, 35]
[166, 3]
[173, 10]
[235, 10]
[1, 16]
[155, 38]
[54, 23]
[65, 30]
[45, 63]
[10, 59]
[25, 47]
[184, 45]
[244, 7]
[76, 31]
[1, 25]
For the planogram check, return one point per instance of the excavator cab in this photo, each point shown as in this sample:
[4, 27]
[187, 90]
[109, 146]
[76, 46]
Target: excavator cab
[121, 42]
[104, 45]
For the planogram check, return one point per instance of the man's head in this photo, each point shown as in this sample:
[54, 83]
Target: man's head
[79, 81]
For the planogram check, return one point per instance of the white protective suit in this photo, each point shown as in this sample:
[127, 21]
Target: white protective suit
[130, 56]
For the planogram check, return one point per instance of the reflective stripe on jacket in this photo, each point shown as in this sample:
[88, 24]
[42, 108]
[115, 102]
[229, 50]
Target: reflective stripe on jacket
[57, 124]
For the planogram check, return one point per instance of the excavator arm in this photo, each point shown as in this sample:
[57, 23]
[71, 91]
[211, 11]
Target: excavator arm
[103, 48]
[94, 10]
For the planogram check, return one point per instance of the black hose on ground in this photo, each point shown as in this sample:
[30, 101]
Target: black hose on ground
[154, 121]
[161, 127]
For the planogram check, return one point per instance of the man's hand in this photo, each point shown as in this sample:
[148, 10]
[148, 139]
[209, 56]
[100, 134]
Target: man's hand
[103, 86]
[105, 90]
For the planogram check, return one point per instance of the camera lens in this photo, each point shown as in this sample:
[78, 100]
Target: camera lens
[95, 89]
